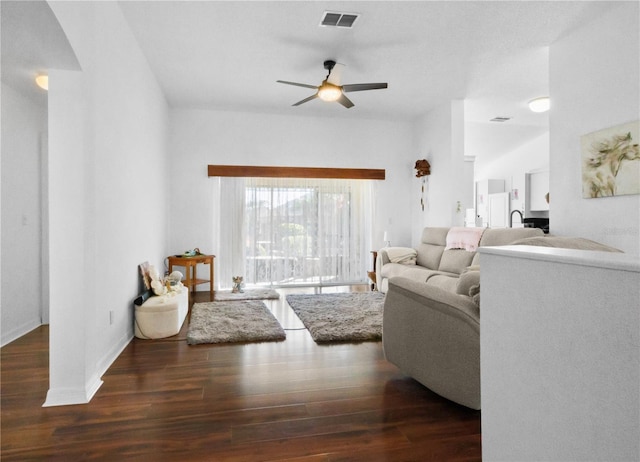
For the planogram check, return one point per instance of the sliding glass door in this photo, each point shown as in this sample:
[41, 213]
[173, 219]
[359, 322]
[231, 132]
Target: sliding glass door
[306, 231]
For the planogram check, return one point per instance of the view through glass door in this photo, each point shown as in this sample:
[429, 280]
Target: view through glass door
[306, 232]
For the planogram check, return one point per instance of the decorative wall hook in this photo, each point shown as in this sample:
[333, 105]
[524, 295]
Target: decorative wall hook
[423, 168]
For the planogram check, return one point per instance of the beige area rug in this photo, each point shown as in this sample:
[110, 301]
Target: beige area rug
[249, 294]
[341, 317]
[233, 321]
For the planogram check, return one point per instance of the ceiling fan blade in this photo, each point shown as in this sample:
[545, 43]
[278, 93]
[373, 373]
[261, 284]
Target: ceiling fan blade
[306, 100]
[364, 86]
[298, 84]
[335, 76]
[346, 102]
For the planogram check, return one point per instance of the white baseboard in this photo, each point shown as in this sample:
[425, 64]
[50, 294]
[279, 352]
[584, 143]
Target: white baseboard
[66, 397]
[19, 331]
[69, 396]
[105, 363]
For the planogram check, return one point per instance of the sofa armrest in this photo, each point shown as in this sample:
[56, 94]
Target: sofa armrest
[434, 336]
[383, 257]
[403, 255]
[381, 260]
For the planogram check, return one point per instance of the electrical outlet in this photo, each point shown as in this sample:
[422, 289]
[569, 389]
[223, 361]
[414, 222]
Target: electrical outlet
[111, 317]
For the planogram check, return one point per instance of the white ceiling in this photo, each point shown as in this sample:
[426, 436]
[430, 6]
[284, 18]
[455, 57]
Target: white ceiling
[32, 43]
[228, 54]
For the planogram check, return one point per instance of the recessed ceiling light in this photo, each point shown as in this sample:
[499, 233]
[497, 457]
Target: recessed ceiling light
[541, 104]
[43, 81]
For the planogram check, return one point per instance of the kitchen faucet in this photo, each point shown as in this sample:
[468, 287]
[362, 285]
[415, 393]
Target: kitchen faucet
[511, 217]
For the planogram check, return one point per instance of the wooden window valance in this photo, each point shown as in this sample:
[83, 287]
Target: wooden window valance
[252, 171]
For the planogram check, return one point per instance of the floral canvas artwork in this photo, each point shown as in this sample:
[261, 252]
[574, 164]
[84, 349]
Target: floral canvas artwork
[611, 161]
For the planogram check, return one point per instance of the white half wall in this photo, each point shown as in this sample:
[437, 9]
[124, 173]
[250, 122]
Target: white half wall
[559, 356]
[24, 124]
[203, 137]
[594, 84]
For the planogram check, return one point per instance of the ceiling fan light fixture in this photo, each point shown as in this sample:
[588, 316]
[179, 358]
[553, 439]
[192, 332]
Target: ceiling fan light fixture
[42, 81]
[541, 104]
[329, 92]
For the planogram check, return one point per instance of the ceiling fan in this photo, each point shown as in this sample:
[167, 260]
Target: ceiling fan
[330, 88]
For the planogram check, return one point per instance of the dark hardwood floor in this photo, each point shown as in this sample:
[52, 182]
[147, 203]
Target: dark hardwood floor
[292, 400]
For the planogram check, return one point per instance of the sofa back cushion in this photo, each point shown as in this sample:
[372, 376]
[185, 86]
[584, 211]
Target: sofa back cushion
[562, 242]
[431, 248]
[455, 260]
[505, 236]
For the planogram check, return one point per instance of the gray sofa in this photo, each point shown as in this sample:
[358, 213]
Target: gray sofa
[434, 265]
[431, 319]
[431, 326]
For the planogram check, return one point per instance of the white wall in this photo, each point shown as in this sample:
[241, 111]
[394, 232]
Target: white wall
[108, 191]
[594, 75]
[203, 137]
[23, 131]
[439, 138]
[512, 166]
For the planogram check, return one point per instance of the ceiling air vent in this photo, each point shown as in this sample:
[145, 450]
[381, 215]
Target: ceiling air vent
[500, 119]
[335, 19]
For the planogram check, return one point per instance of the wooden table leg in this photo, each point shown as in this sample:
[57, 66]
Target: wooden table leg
[188, 268]
[211, 275]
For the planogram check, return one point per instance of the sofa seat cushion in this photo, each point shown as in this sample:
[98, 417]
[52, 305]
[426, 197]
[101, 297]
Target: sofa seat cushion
[444, 282]
[415, 273]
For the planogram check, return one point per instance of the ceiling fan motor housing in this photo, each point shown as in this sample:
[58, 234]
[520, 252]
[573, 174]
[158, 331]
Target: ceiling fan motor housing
[329, 64]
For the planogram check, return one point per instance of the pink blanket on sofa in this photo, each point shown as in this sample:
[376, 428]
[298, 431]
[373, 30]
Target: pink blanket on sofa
[464, 238]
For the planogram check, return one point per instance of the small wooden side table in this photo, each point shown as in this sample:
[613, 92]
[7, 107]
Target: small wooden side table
[189, 264]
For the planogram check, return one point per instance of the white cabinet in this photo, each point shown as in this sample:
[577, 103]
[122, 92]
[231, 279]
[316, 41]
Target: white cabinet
[537, 189]
[483, 189]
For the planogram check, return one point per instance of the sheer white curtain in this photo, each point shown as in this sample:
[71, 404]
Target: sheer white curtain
[298, 231]
[229, 221]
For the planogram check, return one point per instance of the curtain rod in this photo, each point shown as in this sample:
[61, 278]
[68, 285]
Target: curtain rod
[252, 171]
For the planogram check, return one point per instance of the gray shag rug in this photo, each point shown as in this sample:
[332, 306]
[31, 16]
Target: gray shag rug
[249, 294]
[341, 317]
[233, 321]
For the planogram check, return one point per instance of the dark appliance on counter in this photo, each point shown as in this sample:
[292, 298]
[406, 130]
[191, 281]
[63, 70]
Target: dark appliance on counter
[542, 223]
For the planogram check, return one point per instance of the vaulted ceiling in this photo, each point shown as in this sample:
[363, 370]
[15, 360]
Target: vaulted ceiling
[228, 54]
